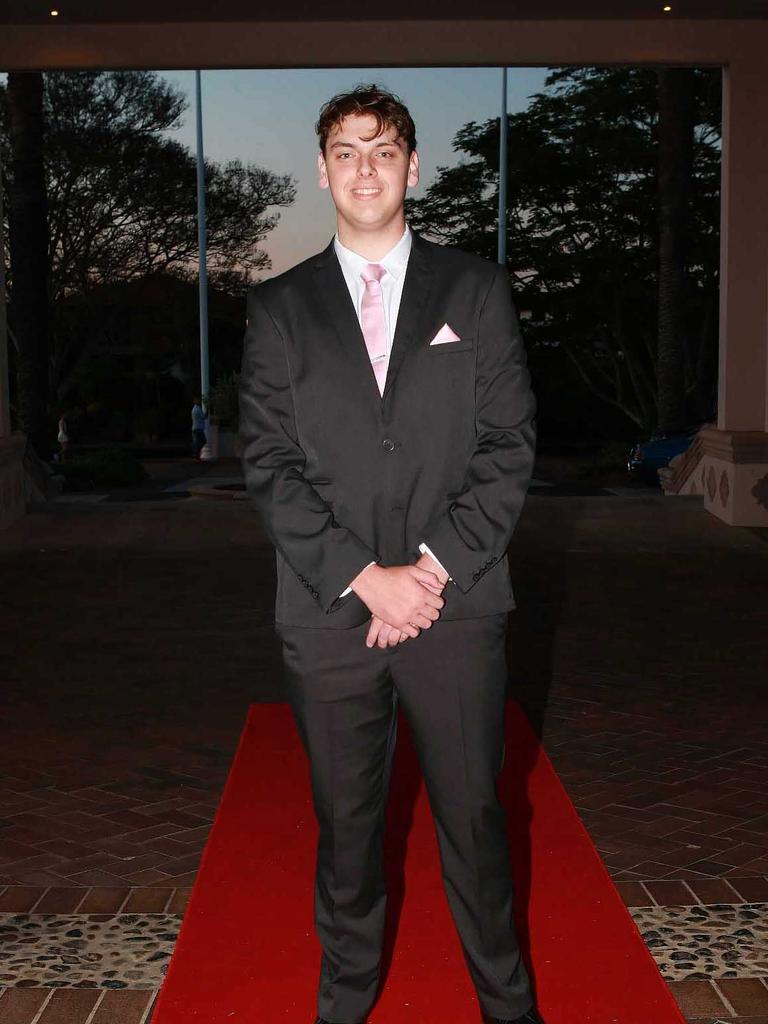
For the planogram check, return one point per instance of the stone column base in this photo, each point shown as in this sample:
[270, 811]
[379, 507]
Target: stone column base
[12, 491]
[734, 474]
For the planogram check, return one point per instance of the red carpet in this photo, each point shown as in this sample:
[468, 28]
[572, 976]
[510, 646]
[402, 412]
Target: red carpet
[247, 952]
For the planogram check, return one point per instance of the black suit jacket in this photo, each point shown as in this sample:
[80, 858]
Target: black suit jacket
[342, 476]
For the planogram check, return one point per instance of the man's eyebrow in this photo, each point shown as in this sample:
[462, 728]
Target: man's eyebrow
[339, 144]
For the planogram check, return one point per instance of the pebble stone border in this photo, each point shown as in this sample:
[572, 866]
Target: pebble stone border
[99, 955]
[86, 951]
[706, 942]
[133, 950]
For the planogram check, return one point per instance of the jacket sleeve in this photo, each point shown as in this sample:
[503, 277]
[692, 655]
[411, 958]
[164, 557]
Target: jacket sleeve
[322, 553]
[472, 532]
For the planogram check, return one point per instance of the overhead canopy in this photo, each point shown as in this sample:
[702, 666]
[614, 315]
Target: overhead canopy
[167, 36]
[24, 12]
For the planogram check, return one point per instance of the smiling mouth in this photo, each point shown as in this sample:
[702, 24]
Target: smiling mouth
[366, 193]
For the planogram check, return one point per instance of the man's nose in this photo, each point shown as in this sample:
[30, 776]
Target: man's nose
[366, 168]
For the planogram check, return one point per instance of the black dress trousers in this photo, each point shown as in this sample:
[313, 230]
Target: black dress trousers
[451, 681]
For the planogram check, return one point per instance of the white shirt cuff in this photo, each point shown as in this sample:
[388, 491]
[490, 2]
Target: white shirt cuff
[349, 589]
[427, 551]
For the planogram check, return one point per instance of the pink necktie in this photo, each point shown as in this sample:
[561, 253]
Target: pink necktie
[373, 323]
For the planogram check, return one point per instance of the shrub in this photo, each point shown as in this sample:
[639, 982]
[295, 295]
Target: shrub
[610, 459]
[103, 467]
[223, 401]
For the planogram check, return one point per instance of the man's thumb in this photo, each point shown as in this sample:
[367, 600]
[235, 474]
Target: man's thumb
[427, 577]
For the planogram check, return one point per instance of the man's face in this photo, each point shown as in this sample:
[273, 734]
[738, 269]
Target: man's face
[367, 180]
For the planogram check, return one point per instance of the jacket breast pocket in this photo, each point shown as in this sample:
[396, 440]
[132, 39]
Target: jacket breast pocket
[447, 347]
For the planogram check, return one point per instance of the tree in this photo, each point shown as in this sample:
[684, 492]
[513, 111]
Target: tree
[28, 244]
[583, 227]
[122, 199]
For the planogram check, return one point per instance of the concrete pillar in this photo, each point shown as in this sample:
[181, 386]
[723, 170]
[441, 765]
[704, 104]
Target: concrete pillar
[12, 490]
[5, 406]
[734, 470]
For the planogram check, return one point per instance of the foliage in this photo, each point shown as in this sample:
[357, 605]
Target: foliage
[223, 401]
[103, 467]
[148, 425]
[582, 220]
[609, 460]
[122, 205]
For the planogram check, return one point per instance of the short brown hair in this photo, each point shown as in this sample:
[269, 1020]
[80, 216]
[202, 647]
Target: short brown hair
[388, 109]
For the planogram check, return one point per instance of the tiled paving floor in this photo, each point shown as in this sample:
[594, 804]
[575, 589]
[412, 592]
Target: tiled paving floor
[136, 635]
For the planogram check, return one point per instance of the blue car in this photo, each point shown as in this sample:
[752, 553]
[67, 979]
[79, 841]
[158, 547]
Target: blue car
[647, 457]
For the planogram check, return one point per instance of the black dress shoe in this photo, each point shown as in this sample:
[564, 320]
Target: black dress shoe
[531, 1017]
[322, 1020]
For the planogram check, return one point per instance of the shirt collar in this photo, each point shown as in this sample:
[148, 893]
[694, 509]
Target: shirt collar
[394, 262]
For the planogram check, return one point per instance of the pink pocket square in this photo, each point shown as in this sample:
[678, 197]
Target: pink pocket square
[444, 335]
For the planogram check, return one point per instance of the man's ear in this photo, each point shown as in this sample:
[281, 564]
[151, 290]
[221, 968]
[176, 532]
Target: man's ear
[413, 169]
[322, 174]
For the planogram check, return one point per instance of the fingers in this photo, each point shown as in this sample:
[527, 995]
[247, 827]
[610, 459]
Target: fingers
[394, 637]
[381, 634]
[429, 610]
[386, 634]
[423, 621]
[373, 631]
[427, 613]
[425, 576]
[430, 582]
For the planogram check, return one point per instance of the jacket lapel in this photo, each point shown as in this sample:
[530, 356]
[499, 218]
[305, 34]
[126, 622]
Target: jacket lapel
[341, 312]
[340, 309]
[413, 302]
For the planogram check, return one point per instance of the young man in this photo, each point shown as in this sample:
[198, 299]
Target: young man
[386, 420]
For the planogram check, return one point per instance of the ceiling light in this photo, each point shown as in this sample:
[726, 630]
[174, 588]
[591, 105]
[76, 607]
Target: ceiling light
[54, 14]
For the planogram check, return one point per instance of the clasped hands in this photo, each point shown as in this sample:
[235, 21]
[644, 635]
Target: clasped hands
[402, 599]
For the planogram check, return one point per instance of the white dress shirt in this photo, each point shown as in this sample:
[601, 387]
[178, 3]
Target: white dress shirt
[395, 263]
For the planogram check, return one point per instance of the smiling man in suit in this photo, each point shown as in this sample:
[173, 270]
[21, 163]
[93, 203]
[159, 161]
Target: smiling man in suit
[388, 439]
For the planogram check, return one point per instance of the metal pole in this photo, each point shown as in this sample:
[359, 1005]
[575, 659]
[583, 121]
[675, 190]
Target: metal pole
[5, 401]
[201, 239]
[502, 247]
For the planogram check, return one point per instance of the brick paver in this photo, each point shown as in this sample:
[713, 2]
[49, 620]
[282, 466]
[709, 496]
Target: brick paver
[123, 1008]
[22, 1005]
[137, 636]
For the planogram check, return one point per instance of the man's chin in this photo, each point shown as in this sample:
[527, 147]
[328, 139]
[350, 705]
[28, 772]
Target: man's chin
[366, 220]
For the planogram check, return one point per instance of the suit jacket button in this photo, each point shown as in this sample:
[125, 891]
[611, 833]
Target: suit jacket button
[388, 444]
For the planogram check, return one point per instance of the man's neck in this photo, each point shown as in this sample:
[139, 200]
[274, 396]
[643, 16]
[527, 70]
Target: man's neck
[372, 245]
